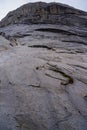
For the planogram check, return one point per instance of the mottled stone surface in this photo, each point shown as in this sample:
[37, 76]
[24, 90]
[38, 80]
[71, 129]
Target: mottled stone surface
[43, 76]
[43, 89]
[46, 13]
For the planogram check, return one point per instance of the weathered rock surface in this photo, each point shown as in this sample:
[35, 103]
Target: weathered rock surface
[43, 76]
[46, 13]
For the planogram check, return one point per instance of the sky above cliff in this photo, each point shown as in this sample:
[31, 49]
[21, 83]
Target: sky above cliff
[9, 5]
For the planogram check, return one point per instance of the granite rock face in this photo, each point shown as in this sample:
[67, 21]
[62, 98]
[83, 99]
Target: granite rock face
[46, 13]
[43, 73]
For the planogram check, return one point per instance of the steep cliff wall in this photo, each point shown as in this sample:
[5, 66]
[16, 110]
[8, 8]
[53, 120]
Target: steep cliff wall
[44, 13]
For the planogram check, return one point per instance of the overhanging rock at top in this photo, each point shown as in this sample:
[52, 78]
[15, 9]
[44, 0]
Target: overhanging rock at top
[46, 13]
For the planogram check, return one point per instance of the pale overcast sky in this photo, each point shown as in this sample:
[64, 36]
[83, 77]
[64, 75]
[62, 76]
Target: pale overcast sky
[9, 5]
